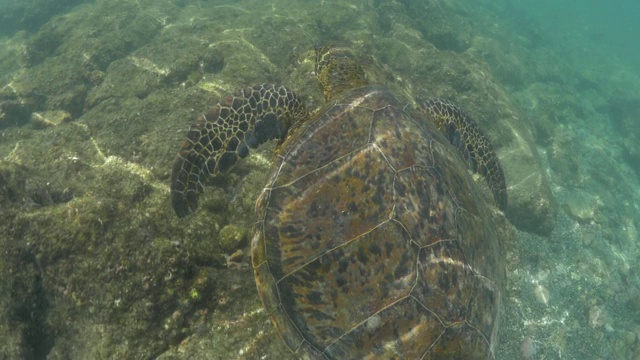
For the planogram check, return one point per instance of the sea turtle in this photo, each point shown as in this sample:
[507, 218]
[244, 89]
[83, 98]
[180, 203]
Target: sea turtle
[371, 239]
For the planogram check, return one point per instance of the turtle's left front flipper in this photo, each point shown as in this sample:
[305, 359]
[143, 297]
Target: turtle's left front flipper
[225, 133]
[462, 131]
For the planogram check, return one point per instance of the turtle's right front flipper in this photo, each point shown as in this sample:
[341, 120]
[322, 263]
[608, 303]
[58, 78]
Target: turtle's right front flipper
[225, 133]
[463, 132]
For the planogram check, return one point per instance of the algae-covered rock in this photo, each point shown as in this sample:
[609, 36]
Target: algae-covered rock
[13, 178]
[532, 206]
[16, 111]
[581, 206]
[232, 237]
[49, 118]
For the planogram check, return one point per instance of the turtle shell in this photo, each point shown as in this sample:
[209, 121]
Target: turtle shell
[372, 240]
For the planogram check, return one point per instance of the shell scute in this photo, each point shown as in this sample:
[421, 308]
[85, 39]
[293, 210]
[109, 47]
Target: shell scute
[330, 206]
[371, 239]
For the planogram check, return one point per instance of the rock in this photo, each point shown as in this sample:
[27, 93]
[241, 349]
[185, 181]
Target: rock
[528, 348]
[597, 316]
[15, 112]
[231, 238]
[13, 177]
[581, 206]
[532, 207]
[43, 119]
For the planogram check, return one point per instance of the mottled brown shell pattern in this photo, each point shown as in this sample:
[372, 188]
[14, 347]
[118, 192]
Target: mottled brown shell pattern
[372, 242]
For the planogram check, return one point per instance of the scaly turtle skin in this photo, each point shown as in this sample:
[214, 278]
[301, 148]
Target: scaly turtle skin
[371, 240]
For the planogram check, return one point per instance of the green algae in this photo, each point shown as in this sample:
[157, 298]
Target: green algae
[232, 237]
[95, 258]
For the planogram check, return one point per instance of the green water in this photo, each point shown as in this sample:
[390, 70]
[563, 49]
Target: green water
[96, 97]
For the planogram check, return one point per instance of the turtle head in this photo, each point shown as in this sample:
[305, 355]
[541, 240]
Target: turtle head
[338, 70]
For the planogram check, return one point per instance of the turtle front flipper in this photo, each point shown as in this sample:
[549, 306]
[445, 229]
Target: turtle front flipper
[225, 133]
[462, 131]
